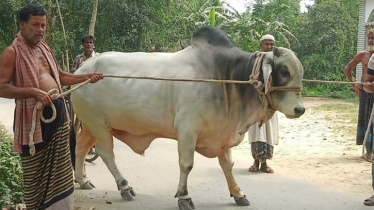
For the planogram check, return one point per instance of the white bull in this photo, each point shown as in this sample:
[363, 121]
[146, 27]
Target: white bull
[209, 118]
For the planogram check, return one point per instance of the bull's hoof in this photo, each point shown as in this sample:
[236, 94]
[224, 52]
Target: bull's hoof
[87, 185]
[128, 194]
[186, 204]
[241, 201]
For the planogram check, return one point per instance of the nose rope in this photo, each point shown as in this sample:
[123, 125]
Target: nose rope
[266, 100]
[259, 86]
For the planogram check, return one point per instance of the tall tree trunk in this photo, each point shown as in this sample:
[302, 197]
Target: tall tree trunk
[139, 41]
[50, 22]
[91, 30]
[65, 65]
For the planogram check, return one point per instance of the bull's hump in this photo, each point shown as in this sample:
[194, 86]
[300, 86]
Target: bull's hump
[208, 35]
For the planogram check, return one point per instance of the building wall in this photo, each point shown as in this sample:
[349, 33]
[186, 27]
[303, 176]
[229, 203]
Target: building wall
[369, 6]
[361, 42]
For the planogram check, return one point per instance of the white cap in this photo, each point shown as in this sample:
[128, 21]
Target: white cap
[267, 37]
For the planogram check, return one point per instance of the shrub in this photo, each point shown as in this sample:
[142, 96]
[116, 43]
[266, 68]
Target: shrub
[11, 182]
[333, 90]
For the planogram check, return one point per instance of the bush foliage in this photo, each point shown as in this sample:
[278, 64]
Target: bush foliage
[11, 181]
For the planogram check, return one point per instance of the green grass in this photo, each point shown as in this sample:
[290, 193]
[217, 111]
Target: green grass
[326, 90]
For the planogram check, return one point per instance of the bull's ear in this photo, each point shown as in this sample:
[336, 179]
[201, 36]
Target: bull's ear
[277, 52]
[267, 70]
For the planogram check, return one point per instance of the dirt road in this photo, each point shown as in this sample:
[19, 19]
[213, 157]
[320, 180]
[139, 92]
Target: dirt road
[317, 166]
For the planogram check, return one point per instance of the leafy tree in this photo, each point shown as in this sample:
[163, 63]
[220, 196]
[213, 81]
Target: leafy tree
[329, 35]
[8, 21]
[324, 37]
[263, 19]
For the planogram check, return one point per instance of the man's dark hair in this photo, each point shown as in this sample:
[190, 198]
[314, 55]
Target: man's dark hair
[30, 9]
[88, 37]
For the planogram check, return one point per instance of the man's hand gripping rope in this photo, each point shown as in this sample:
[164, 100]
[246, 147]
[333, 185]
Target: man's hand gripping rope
[39, 107]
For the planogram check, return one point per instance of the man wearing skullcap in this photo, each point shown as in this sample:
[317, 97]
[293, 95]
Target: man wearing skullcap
[263, 138]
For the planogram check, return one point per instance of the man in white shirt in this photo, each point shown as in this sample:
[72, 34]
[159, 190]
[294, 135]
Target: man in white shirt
[263, 138]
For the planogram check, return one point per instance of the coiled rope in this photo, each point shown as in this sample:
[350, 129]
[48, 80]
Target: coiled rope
[39, 107]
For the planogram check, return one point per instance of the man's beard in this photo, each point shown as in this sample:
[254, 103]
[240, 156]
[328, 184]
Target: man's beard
[370, 48]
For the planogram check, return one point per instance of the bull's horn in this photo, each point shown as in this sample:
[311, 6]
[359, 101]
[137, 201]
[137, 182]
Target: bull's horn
[267, 70]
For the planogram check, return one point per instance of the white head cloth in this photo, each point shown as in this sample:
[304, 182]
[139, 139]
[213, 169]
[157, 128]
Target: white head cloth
[267, 37]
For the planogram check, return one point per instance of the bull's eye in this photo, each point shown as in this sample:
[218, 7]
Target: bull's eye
[285, 73]
[281, 75]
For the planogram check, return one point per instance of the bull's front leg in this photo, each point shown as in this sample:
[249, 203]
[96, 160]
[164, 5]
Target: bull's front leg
[104, 148]
[226, 165]
[186, 150]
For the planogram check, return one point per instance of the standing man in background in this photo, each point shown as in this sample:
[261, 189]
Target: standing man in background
[369, 86]
[88, 45]
[364, 110]
[264, 138]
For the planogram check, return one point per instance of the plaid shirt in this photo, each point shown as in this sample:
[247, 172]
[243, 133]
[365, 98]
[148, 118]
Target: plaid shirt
[80, 59]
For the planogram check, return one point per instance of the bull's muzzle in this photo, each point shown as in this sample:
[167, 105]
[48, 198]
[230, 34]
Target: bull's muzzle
[299, 111]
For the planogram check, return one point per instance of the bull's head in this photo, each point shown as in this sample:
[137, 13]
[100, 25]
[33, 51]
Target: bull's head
[283, 73]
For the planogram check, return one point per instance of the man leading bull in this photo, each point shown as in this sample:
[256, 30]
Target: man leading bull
[28, 71]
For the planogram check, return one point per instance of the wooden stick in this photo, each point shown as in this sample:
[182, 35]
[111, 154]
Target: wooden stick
[367, 131]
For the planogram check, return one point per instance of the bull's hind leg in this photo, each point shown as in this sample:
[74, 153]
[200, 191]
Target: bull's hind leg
[186, 150]
[85, 141]
[104, 147]
[226, 165]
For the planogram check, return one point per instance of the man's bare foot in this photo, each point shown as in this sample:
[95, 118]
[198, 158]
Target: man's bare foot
[369, 201]
[255, 166]
[368, 156]
[265, 168]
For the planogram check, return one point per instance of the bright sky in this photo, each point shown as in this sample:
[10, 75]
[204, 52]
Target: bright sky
[239, 5]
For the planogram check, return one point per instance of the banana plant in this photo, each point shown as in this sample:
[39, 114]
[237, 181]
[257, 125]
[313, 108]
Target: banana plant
[209, 13]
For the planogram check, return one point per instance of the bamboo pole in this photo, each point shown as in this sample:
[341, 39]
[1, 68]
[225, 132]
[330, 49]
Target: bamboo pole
[63, 30]
[367, 132]
[91, 29]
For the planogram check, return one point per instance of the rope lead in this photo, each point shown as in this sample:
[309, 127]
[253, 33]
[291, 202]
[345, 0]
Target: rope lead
[252, 80]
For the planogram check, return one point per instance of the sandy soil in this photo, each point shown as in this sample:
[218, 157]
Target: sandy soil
[320, 147]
